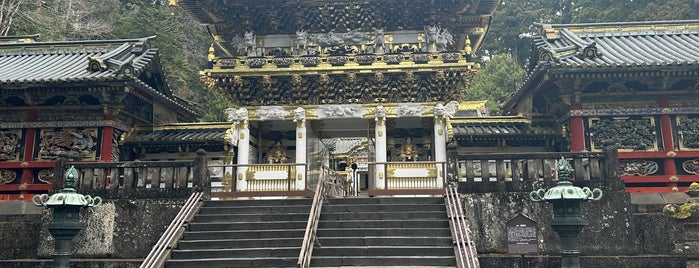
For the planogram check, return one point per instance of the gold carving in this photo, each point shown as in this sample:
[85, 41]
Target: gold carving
[673, 178]
[22, 187]
[380, 133]
[300, 135]
[240, 176]
[24, 164]
[299, 176]
[671, 154]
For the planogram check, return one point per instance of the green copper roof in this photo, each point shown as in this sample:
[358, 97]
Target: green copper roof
[617, 44]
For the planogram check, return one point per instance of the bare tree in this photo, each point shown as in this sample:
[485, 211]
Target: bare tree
[8, 11]
[75, 19]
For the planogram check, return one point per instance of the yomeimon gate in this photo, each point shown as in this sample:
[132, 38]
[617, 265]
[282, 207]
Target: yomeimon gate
[634, 83]
[374, 82]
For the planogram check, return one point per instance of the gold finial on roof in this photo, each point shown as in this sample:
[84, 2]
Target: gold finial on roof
[467, 45]
[211, 56]
[172, 4]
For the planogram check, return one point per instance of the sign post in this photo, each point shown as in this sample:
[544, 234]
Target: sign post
[521, 237]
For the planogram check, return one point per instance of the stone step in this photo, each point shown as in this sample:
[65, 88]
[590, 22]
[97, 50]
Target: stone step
[408, 215]
[396, 200]
[407, 232]
[363, 241]
[353, 251]
[277, 216]
[256, 202]
[236, 253]
[240, 243]
[383, 208]
[233, 262]
[384, 261]
[421, 223]
[234, 210]
[230, 226]
[244, 234]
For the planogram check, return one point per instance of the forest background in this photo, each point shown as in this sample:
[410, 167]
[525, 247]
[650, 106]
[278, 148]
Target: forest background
[184, 44]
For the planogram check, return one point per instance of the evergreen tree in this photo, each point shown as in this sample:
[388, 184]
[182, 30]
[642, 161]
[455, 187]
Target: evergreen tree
[495, 82]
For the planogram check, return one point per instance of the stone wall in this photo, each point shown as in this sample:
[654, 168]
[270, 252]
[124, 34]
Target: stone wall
[20, 222]
[123, 227]
[615, 234]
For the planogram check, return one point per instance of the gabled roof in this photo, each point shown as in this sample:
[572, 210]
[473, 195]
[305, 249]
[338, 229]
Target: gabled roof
[73, 61]
[25, 64]
[617, 44]
[603, 48]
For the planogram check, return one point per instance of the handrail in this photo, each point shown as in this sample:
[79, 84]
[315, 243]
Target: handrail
[467, 256]
[309, 238]
[156, 257]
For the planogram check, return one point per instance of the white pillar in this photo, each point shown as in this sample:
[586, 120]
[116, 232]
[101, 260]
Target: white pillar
[300, 119]
[440, 138]
[241, 119]
[380, 138]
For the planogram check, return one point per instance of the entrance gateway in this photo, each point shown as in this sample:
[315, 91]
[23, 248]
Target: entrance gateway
[396, 148]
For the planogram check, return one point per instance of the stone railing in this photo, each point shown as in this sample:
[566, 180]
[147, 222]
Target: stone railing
[470, 170]
[126, 179]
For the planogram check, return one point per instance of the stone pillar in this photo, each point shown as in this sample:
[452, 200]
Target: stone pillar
[240, 118]
[380, 137]
[300, 170]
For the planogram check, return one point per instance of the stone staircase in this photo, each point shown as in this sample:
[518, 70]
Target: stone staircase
[379, 232]
[243, 233]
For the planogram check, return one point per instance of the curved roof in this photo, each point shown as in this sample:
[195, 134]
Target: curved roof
[73, 61]
[605, 48]
[24, 64]
[618, 44]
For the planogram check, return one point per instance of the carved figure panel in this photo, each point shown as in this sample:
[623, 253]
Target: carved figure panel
[691, 166]
[629, 133]
[10, 145]
[272, 113]
[45, 176]
[72, 143]
[7, 176]
[688, 130]
[637, 168]
[340, 111]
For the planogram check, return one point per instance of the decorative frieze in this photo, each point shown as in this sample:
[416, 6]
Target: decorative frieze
[10, 145]
[271, 113]
[691, 166]
[7, 176]
[340, 111]
[637, 167]
[635, 111]
[636, 134]
[688, 130]
[410, 110]
[68, 124]
[72, 143]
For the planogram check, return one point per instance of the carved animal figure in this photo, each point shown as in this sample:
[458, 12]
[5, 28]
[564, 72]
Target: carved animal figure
[249, 40]
[444, 40]
[379, 39]
[301, 39]
[431, 33]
